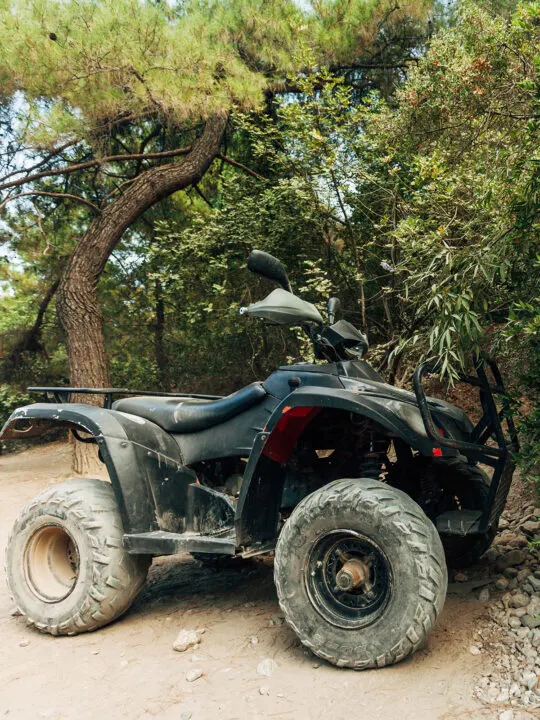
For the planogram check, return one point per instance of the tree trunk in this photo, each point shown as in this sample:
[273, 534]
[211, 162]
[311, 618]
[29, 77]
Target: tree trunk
[77, 302]
[159, 345]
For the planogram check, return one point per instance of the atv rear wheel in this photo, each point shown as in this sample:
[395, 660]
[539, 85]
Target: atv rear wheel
[66, 567]
[360, 573]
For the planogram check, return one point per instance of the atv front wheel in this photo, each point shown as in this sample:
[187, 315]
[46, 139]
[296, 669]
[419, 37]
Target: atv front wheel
[360, 573]
[66, 567]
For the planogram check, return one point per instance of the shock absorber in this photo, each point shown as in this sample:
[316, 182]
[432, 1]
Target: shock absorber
[372, 463]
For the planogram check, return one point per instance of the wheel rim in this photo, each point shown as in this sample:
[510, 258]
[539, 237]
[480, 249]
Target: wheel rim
[51, 563]
[348, 579]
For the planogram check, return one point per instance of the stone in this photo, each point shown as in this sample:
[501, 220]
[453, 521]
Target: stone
[506, 715]
[522, 575]
[185, 640]
[124, 663]
[511, 559]
[264, 690]
[510, 572]
[531, 527]
[530, 621]
[519, 600]
[518, 612]
[501, 583]
[266, 667]
[535, 639]
[530, 680]
[514, 622]
[187, 715]
[534, 582]
[483, 595]
[194, 674]
[512, 584]
[15, 612]
[24, 643]
[461, 577]
[475, 650]
[503, 523]
[254, 640]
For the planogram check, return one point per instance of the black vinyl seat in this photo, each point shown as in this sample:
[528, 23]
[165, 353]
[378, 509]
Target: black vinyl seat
[191, 414]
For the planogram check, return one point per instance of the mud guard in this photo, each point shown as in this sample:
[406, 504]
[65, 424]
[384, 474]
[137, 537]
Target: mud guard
[257, 513]
[144, 463]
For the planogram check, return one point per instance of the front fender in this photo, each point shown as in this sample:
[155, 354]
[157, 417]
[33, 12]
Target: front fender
[257, 513]
[143, 461]
[400, 419]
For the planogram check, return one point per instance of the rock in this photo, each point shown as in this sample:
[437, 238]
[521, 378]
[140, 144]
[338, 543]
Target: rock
[15, 612]
[264, 690]
[501, 583]
[194, 674]
[483, 595]
[518, 612]
[519, 600]
[186, 639]
[266, 667]
[503, 523]
[530, 621]
[531, 527]
[254, 640]
[124, 663]
[514, 622]
[522, 575]
[512, 584]
[276, 620]
[475, 650]
[506, 715]
[534, 582]
[510, 572]
[511, 559]
[461, 577]
[530, 680]
[535, 639]
[187, 715]
[24, 643]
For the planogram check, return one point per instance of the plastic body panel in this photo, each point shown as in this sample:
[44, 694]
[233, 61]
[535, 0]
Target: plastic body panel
[151, 484]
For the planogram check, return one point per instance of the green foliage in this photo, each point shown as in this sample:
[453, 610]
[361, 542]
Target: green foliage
[10, 399]
[81, 64]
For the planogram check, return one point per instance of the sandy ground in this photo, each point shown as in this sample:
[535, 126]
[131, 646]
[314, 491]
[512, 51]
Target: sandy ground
[129, 670]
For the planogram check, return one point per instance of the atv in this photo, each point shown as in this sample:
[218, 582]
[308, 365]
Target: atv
[364, 492]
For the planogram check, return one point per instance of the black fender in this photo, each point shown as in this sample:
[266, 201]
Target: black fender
[257, 512]
[143, 462]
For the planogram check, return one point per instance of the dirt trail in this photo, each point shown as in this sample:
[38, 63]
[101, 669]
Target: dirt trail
[129, 670]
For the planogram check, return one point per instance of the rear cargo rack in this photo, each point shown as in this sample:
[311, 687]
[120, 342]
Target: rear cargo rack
[490, 425]
[63, 394]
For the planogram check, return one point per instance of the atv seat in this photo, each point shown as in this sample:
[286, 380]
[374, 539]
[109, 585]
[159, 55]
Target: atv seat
[191, 415]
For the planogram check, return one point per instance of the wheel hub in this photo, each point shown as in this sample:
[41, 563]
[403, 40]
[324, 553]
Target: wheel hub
[348, 579]
[354, 574]
[51, 563]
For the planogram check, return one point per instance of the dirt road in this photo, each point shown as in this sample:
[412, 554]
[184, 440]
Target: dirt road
[130, 671]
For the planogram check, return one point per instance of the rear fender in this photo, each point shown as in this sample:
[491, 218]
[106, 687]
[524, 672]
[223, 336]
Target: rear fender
[143, 461]
[258, 507]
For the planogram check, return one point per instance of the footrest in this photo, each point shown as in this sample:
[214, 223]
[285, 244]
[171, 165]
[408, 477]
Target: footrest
[167, 543]
[458, 522]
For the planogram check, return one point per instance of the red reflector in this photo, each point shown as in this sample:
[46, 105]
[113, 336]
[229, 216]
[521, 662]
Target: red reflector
[437, 452]
[299, 411]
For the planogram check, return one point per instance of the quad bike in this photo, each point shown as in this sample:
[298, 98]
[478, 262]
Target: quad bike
[364, 492]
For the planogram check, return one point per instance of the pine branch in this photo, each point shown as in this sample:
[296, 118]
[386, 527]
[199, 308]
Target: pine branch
[94, 163]
[67, 196]
[238, 165]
